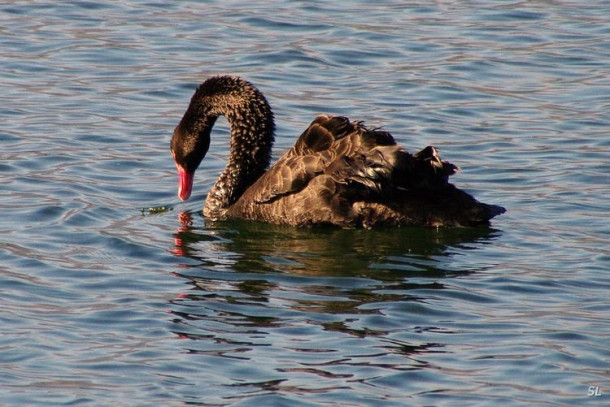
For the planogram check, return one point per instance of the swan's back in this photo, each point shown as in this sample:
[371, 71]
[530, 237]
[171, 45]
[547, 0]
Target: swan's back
[341, 173]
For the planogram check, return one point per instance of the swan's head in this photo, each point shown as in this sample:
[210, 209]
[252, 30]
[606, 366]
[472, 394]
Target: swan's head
[189, 145]
[251, 122]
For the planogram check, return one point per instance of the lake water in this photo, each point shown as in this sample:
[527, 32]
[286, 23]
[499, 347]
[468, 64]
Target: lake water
[103, 304]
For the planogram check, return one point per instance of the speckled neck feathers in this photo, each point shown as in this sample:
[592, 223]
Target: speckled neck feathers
[252, 128]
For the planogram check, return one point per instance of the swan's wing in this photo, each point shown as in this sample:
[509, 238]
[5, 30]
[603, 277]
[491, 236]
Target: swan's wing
[342, 173]
[334, 146]
[313, 151]
[289, 175]
[367, 161]
[321, 134]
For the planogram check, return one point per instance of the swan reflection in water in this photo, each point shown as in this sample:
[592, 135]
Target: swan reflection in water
[337, 305]
[386, 254]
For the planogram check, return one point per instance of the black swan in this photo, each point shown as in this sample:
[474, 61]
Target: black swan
[339, 172]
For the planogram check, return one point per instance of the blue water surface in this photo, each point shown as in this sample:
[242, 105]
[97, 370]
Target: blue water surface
[106, 304]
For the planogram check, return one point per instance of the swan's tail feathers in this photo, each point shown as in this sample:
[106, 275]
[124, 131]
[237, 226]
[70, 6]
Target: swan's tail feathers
[421, 170]
[493, 210]
[425, 196]
[442, 169]
[479, 214]
[450, 206]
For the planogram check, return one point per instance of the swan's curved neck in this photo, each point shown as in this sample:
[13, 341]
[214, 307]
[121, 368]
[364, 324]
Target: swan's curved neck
[251, 122]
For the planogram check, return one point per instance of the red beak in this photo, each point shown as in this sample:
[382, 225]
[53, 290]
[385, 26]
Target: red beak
[185, 183]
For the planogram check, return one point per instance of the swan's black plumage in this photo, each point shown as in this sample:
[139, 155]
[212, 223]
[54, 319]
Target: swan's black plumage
[338, 172]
